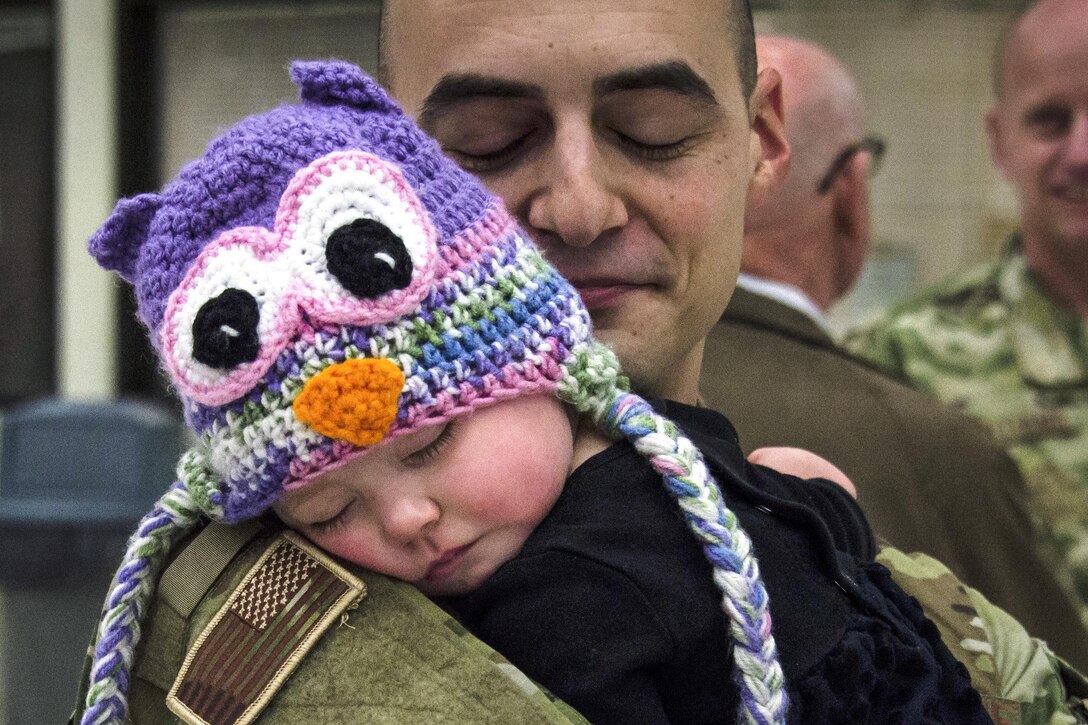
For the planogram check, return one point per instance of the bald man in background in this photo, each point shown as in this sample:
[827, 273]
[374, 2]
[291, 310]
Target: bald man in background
[1007, 341]
[928, 478]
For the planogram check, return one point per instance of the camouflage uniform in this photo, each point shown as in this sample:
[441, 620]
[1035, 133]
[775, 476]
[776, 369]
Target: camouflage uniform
[991, 342]
[392, 657]
[1021, 681]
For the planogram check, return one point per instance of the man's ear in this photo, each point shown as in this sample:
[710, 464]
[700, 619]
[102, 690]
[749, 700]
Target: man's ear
[996, 135]
[851, 220]
[769, 149]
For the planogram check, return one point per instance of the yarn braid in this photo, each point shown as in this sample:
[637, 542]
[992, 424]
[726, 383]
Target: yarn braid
[175, 514]
[594, 385]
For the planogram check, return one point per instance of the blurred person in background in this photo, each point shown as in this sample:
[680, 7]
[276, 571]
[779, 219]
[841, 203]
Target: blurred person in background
[929, 479]
[1008, 341]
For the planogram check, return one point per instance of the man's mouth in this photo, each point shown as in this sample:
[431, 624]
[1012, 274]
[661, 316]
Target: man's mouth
[1076, 193]
[597, 294]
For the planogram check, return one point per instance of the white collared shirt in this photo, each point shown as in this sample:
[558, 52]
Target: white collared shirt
[789, 295]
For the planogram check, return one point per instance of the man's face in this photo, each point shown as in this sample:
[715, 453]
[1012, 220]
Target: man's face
[1039, 134]
[617, 133]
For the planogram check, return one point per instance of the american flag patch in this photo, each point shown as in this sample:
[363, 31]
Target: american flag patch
[286, 601]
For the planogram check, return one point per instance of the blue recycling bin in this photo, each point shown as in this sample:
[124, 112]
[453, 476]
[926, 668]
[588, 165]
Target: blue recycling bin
[75, 479]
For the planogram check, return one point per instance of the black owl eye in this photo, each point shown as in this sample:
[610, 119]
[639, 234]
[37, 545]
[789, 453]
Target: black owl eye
[368, 259]
[225, 330]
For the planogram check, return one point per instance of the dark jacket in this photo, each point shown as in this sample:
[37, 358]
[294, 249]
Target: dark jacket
[612, 606]
[928, 478]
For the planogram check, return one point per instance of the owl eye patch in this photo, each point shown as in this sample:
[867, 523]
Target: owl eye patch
[368, 258]
[225, 330]
[350, 245]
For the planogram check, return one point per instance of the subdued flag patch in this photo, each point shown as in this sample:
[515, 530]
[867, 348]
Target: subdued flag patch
[283, 605]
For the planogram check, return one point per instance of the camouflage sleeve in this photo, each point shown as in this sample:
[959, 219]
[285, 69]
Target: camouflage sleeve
[877, 344]
[1021, 681]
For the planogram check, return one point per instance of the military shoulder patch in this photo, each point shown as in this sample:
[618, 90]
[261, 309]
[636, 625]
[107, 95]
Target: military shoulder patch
[282, 606]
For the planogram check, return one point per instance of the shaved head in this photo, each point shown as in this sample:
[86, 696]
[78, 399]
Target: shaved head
[803, 234]
[822, 107]
[741, 38]
[1026, 31]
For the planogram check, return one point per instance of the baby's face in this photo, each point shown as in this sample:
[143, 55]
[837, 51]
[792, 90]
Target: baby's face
[445, 506]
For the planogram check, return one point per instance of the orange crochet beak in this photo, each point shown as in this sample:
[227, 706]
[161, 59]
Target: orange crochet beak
[354, 401]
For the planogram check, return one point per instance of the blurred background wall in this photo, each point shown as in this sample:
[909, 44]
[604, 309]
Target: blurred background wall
[106, 97]
[101, 98]
[924, 69]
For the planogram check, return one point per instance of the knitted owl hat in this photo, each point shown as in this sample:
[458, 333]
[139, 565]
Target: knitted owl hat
[323, 279]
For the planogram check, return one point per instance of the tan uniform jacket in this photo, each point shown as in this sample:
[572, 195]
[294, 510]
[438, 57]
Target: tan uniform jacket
[241, 632]
[928, 478]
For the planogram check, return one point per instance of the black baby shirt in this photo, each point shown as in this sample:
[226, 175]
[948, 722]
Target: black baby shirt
[611, 604]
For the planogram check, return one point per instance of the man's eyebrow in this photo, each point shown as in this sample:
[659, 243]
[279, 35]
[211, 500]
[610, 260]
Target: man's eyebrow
[455, 88]
[673, 75]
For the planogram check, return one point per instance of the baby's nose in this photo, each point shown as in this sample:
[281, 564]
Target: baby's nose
[355, 400]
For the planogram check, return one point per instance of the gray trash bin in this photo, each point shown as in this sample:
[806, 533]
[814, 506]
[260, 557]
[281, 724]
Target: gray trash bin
[75, 479]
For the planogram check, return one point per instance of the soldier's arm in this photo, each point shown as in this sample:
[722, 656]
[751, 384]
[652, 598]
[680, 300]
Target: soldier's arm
[1019, 678]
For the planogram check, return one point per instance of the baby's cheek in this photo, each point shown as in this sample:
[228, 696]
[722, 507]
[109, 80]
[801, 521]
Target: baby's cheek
[505, 494]
[359, 549]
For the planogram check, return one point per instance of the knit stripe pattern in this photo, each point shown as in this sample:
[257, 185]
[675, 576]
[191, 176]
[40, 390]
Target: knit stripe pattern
[594, 384]
[333, 236]
[453, 356]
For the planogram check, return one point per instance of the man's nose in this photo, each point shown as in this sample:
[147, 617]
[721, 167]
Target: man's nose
[407, 517]
[576, 198]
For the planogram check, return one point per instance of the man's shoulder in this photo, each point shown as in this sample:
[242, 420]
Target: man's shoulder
[749, 309]
[738, 355]
[770, 342]
[356, 643]
[768, 339]
[947, 320]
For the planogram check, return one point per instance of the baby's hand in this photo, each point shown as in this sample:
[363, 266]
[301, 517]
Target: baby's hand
[801, 463]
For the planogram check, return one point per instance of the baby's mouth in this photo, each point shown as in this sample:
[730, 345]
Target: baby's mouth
[447, 563]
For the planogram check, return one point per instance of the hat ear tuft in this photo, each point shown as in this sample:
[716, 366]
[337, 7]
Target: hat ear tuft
[333, 82]
[116, 245]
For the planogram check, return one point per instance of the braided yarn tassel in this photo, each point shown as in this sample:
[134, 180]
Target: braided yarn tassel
[119, 630]
[594, 385]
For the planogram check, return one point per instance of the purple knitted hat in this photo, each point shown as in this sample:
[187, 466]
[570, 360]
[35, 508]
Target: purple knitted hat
[322, 280]
[313, 283]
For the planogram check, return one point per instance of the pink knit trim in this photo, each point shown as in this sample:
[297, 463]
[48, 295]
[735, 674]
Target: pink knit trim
[464, 249]
[257, 260]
